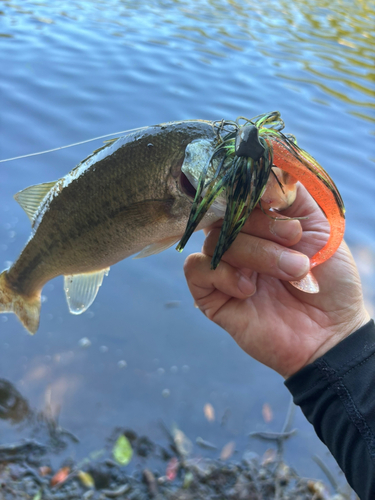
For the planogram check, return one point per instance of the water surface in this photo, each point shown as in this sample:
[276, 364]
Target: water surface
[80, 69]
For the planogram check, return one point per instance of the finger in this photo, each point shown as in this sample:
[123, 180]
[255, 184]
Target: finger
[260, 255]
[305, 206]
[286, 232]
[212, 289]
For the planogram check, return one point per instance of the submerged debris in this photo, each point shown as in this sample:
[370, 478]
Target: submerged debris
[184, 476]
[191, 479]
[132, 467]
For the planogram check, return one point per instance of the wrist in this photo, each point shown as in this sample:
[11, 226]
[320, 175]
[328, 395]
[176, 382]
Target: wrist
[340, 333]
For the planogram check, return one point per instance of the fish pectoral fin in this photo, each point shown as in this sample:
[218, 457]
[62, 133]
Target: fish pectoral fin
[157, 247]
[31, 197]
[81, 289]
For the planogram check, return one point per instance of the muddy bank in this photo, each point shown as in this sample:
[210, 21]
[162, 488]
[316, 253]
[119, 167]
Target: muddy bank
[133, 467]
[27, 476]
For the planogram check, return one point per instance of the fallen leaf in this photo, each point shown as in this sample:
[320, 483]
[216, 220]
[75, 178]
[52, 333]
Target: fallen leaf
[151, 482]
[172, 468]
[269, 456]
[316, 487]
[183, 443]
[38, 496]
[267, 413]
[227, 451]
[86, 479]
[60, 476]
[122, 450]
[44, 470]
[205, 444]
[209, 412]
[188, 480]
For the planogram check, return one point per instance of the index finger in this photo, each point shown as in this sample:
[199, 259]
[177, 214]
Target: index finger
[270, 226]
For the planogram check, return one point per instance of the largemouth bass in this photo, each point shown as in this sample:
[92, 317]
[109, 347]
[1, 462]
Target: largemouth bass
[135, 195]
[127, 197]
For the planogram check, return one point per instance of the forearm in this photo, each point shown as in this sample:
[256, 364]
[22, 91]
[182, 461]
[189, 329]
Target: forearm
[337, 395]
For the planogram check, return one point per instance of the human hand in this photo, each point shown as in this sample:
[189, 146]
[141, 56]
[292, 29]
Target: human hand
[249, 295]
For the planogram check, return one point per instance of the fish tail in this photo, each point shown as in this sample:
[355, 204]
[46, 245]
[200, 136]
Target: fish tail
[26, 308]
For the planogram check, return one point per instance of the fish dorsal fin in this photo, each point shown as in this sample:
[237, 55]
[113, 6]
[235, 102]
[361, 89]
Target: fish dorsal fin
[111, 141]
[157, 247]
[31, 197]
[81, 289]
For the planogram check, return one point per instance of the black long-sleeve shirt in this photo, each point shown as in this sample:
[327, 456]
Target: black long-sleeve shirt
[337, 395]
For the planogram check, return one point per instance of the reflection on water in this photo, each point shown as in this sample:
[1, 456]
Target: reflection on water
[13, 406]
[75, 70]
[328, 44]
[42, 425]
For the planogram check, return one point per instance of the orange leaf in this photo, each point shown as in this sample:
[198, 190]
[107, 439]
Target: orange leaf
[267, 413]
[209, 412]
[269, 456]
[228, 450]
[60, 476]
[44, 470]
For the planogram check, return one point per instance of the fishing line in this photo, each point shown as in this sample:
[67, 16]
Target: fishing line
[79, 143]
[74, 144]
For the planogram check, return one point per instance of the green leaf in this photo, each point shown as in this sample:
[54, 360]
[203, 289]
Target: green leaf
[38, 495]
[122, 450]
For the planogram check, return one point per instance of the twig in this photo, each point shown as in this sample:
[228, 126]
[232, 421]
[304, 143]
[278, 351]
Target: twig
[335, 485]
[116, 493]
[273, 436]
[289, 416]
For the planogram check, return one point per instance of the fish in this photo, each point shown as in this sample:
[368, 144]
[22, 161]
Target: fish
[127, 197]
[135, 195]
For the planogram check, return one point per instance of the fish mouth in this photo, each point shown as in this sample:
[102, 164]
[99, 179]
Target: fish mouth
[186, 186]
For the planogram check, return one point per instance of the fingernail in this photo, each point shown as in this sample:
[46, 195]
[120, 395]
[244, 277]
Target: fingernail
[286, 229]
[293, 263]
[246, 286]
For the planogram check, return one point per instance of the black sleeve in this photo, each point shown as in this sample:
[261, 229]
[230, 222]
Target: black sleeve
[337, 395]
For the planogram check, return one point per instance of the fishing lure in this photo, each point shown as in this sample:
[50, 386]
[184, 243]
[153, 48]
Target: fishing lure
[244, 157]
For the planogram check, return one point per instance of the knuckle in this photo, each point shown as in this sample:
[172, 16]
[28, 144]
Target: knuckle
[191, 263]
[210, 314]
[260, 254]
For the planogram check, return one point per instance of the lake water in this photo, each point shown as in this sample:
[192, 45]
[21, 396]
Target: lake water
[72, 70]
